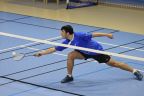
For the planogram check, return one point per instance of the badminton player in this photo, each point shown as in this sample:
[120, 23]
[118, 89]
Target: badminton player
[85, 40]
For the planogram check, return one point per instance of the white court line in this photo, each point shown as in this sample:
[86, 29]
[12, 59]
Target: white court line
[141, 70]
[58, 37]
[70, 46]
[120, 46]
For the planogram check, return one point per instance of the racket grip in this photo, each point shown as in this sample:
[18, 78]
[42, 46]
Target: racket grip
[38, 54]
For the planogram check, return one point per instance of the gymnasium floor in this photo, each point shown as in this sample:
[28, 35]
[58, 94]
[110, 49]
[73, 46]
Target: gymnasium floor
[91, 78]
[41, 76]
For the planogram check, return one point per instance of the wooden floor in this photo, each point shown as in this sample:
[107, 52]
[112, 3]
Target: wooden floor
[128, 20]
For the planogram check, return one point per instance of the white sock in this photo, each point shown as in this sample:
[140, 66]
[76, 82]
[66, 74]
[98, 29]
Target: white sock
[69, 75]
[134, 70]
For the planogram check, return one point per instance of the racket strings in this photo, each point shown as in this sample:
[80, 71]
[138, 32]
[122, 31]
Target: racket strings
[18, 56]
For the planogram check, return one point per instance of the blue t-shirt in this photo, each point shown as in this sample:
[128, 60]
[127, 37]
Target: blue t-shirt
[82, 39]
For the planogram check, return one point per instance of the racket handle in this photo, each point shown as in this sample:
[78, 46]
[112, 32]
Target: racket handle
[37, 55]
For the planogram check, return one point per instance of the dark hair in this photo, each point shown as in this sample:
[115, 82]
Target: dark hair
[68, 29]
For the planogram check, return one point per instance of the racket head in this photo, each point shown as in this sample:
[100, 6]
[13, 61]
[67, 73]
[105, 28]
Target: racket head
[17, 56]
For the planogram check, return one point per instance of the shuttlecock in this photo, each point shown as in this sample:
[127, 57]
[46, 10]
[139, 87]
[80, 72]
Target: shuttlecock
[13, 53]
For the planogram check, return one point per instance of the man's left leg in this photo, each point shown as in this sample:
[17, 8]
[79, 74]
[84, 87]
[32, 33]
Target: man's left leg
[124, 66]
[70, 63]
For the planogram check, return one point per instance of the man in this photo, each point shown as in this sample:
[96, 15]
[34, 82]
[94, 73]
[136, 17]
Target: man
[82, 39]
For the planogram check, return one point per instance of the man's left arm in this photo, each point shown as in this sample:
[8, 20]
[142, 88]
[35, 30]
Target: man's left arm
[94, 34]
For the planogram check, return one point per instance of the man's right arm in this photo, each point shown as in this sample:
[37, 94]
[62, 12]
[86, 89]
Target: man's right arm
[52, 49]
[44, 52]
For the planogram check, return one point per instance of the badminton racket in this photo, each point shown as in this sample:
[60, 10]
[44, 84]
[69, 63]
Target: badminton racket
[19, 56]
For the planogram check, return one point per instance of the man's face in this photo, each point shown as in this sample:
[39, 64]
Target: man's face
[63, 34]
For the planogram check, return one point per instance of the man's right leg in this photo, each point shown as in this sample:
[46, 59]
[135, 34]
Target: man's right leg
[70, 63]
[126, 67]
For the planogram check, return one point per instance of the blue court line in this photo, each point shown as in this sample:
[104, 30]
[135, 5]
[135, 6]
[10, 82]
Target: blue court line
[85, 62]
[89, 73]
[35, 67]
[125, 44]
[46, 48]
[22, 22]
[136, 53]
[52, 20]
[33, 25]
[132, 49]
[140, 43]
[11, 16]
[4, 20]
[47, 72]
[78, 76]
[59, 81]
[75, 76]
[136, 63]
[85, 74]
[1, 21]
[14, 80]
[50, 71]
[22, 92]
[134, 45]
[13, 13]
[41, 25]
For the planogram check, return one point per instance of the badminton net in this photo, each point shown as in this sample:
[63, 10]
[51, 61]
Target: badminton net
[71, 46]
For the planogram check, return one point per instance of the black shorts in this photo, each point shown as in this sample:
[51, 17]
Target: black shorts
[101, 58]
